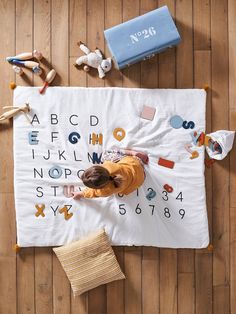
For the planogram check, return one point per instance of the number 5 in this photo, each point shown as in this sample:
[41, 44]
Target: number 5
[122, 209]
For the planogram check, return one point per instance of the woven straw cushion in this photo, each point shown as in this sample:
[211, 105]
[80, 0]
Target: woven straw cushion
[89, 262]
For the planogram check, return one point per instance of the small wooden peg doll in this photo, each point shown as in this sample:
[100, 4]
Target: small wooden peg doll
[14, 111]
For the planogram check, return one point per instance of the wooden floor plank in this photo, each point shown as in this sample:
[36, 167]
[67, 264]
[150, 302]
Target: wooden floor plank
[8, 286]
[60, 48]
[203, 273]
[7, 9]
[42, 36]
[25, 281]
[133, 288]
[232, 126]
[150, 281]
[115, 289]
[25, 260]
[186, 295]
[202, 24]
[78, 32]
[43, 281]
[61, 289]
[220, 107]
[43, 256]
[232, 259]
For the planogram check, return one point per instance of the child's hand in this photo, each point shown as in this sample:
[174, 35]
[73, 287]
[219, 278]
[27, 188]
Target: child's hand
[142, 156]
[77, 195]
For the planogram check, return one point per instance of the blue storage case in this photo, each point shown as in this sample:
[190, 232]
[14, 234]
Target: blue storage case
[142, 37]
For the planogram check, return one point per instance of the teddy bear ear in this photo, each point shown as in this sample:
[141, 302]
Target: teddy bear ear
[109, 60]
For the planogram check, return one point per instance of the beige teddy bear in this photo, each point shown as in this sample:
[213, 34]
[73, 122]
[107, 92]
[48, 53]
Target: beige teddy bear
[94, 60]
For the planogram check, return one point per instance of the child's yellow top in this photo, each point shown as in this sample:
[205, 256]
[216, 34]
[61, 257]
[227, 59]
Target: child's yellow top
[132, 173]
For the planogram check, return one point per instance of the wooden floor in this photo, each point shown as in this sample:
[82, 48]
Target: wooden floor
[161, 281]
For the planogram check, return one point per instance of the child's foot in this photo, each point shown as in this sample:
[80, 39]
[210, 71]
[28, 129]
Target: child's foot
[142, 156]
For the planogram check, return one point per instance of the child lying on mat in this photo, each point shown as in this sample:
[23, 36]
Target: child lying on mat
[122, 172]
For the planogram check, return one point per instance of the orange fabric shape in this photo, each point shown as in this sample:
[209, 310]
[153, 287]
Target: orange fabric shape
[119, 134]
[166, 163]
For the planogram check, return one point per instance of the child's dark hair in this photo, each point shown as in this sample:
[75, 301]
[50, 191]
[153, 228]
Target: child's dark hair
[97, 177]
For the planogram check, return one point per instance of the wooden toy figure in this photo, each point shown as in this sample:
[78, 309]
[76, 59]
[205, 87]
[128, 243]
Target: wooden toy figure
[17, 69]
[14, 111]
[37, 70]
[26, 56]
[49, 78]
[26, 64]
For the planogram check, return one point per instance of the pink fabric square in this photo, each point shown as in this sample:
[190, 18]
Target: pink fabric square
[148, 113]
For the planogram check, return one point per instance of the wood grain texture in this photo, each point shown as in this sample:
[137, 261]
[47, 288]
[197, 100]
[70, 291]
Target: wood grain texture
[60, 41]
[25, 260]
[43, 281]
[232, 126]
[133, 288]
[8, 288]
[8, 38]
[232, 95]
[202, 24]
[42, 36]
[78, 32]
[8, 274]
[43, 268]
[115, 289]
[220, 120]
[159, 281]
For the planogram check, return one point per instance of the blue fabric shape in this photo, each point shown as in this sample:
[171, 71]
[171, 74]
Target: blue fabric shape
[32, 137]
[151, 195]
[55, 172]
[176, 122]
[74, 137]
